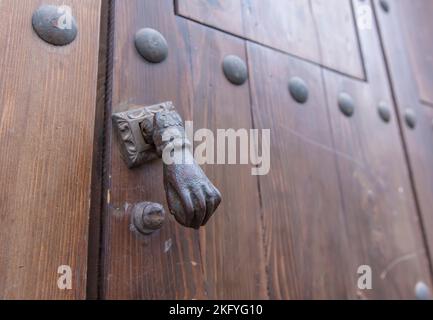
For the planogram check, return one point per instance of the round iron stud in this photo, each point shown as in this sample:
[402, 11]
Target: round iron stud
[147, 217]
[384, 5]
[55, 24]
[384, 112]
[422, 291]
[298, 89]
[410, 118]
[235, 69]
[151, 45]
[346, 104]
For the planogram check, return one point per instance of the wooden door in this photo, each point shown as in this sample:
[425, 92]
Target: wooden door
[345, 192]
[339, 194]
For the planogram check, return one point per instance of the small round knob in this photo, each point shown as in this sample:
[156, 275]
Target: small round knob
[148, 217]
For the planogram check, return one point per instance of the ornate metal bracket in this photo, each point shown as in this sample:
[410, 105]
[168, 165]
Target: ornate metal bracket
[135, 131]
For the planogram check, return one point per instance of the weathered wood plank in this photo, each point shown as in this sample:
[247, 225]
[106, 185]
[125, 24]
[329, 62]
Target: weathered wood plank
[418, 141]
[47, 109]
[416, 27]
[305, 237]
[378, 199]
[167, 264]
[231, 243]
[319, 31]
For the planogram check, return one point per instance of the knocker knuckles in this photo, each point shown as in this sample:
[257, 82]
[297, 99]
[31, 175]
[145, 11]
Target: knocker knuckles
[194, 201]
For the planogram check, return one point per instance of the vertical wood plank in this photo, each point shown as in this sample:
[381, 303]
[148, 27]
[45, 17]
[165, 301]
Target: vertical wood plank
[285, 25]
[306, 245]
[416, 26]
[338, 40]
[47, 114]
[167, 264]
[231, 243]
[224, 14]
[418, 141]
[377, 196]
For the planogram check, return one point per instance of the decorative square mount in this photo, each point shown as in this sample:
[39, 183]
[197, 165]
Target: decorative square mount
[135, 129]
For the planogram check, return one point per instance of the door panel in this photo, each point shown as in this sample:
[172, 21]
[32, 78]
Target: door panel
[306, 29]
[188, 78]
[305, 235]
[342, 191]
[167, 264]
[417, 37]
[339, 193]
[342, 52]
[376, 191]
[222, 14]
[47, 114]
[418, 141]
[231, 244]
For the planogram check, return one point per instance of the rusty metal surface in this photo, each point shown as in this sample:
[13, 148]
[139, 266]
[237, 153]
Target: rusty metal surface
[147, 217]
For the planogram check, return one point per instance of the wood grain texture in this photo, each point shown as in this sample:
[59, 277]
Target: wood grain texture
[284, 25]
[167, 264]
[304, 229]
[337, 36]
[231, 243]
[417, 26]
[47, 109]
[418, 142]
[303, 28]
[224, 14]
[378, 200]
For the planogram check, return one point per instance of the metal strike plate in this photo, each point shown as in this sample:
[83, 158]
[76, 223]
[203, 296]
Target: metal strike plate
[135, 129]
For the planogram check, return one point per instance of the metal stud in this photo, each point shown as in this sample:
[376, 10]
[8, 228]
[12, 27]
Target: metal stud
[147, 217]
[298, 89]
[410, 118]
[151, 45]
[384, 112]
[384, 5]
[55, 25]
[346, 104]
[235, 69]
[422, 291]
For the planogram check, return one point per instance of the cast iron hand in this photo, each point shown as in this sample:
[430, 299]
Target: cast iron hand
[191, 197]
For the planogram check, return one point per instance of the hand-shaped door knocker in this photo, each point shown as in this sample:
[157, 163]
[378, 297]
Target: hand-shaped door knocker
[147, 133]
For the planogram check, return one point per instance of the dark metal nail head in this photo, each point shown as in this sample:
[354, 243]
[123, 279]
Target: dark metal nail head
[147, 217]
[298, 89]
[235, 70]
[346, 104]
[55, 25]
[151, 45]
[384, 112]
[410, 118]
